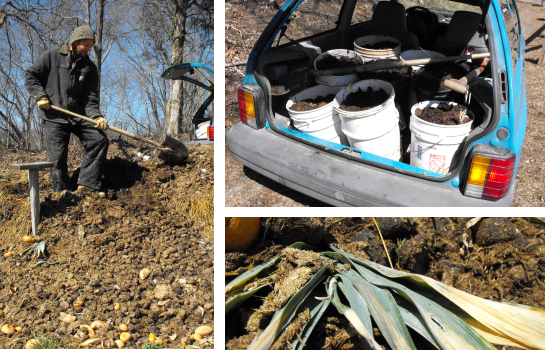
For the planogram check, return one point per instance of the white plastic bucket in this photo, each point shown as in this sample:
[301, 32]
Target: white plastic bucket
[418, 54]
[432, 145]
[322, 122]
[370, 54]
[337, 80]
[375, 130]
[387, 145]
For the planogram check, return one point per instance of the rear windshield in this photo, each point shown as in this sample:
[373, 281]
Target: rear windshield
[310, 18]
[364, 8]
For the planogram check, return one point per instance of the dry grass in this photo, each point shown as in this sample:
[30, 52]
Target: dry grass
[199, 206]
[291, 332]
[16, 210]
[294, 270]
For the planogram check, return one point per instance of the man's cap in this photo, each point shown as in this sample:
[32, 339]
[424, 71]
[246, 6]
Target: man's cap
[82, 33]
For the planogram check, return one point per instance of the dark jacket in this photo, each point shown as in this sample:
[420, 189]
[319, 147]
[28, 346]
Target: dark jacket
[69, 85]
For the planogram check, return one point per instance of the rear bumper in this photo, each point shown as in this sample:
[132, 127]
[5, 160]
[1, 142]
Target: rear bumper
[339, 181]
[199, 142]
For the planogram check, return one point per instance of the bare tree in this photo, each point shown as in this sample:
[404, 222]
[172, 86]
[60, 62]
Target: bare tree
[135, 41]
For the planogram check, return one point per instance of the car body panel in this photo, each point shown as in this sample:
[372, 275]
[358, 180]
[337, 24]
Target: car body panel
[512, 115]
[338, 181]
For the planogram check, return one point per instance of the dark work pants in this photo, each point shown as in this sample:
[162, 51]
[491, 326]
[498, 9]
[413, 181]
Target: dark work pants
[95, 145]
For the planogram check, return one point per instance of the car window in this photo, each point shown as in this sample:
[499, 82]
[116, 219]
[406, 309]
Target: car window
[310, 18]
[511, 21]
[365, 8]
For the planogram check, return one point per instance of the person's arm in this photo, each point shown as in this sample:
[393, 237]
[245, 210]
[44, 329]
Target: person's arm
[91, 103]
[36, 76]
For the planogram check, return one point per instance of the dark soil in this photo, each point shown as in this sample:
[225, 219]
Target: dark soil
[364, 100]
[382, 45]
[311, 104]
[504, 261]
[431, 77]
[331, 62]
[278, 90]
[443, 114]
[153, 216]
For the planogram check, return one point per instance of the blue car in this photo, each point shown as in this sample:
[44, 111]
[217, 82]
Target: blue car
[483, 168]
[202, 124]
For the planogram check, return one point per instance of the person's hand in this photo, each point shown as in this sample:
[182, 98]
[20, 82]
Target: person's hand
[101, 123]
[43, 103]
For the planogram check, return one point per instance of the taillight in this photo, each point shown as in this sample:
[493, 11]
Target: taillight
[210, 133]
[250, 104]
[490, 177]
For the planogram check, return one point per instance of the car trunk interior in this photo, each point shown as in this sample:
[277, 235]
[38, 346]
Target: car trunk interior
[286, 71]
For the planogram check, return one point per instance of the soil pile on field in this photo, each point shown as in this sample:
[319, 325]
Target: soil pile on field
[364, 100]
[443, 114]
[499, 259]
[155, 218]
[311, 104]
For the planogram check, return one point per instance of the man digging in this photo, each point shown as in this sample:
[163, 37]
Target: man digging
[66, 77]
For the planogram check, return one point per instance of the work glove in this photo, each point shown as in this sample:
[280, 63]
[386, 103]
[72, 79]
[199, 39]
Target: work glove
[44, 103]
[101, 123]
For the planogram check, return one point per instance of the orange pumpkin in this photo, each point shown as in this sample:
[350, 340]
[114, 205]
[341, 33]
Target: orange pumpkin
[240, 233]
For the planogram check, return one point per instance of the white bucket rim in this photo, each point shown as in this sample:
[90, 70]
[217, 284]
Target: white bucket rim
[337, 80]
[435, 103]
[361, 40]
[340, 97]
[325, 109]
[333, 53]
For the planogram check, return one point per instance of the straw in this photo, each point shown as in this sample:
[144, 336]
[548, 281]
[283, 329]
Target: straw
[462, 116]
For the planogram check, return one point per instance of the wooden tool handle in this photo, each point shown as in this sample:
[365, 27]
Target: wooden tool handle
[456, 85]
[392, 63]
[120, 131]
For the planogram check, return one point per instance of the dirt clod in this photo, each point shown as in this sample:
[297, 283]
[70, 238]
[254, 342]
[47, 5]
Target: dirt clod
[496, 230]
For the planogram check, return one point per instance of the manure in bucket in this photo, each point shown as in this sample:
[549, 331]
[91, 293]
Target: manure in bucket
[364, 100]
[443, 114]
[311, 104]
[332, 62]
[382, 45]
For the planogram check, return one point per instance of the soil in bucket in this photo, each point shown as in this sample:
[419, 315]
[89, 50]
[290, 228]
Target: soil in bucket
[278, 90]
[311, 104]
[331, 62]
[382, 45]
[443, 114]
[431, 77]
[364, 100]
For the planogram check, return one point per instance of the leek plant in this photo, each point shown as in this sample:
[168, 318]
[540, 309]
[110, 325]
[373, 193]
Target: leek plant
[395, 301]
